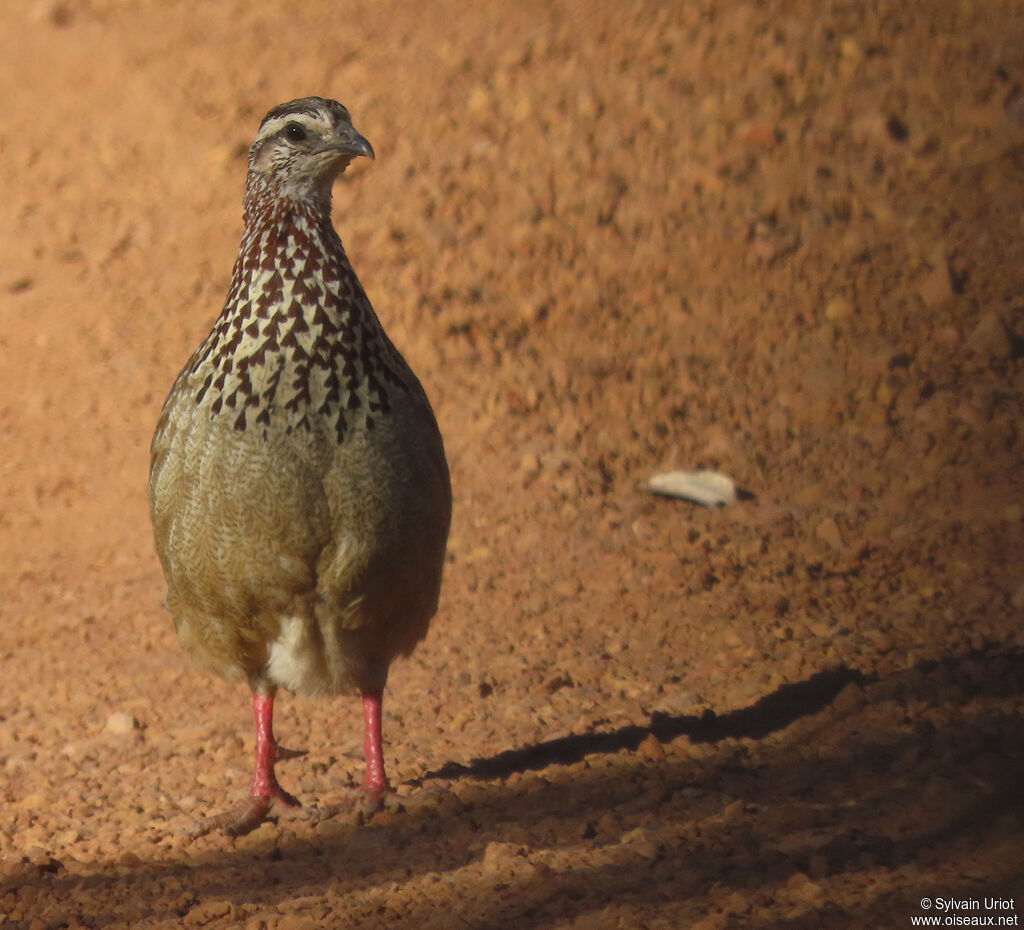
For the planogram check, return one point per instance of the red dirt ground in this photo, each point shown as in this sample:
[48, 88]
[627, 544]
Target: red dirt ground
[780, 239]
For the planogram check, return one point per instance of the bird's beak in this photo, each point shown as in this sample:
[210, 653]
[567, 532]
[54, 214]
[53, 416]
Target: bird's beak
[349, 142]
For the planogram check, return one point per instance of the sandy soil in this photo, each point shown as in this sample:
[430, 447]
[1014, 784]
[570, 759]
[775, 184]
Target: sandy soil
[780, 239]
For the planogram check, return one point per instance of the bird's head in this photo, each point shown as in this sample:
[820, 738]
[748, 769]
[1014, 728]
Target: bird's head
[303, 145]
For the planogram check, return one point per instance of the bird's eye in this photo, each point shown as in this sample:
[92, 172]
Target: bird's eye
[294, 133]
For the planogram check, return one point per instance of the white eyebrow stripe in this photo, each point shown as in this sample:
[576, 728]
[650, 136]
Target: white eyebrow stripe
[275, 125]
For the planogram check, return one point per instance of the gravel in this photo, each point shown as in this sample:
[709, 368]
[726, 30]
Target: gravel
[777, 240]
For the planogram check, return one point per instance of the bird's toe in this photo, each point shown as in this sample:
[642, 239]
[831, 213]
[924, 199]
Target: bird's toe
[243, 818]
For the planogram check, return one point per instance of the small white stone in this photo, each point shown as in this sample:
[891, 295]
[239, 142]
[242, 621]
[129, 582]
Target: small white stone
[709, 488]
[120, 723]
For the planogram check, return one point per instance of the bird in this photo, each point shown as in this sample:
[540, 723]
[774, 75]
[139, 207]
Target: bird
[299, 492]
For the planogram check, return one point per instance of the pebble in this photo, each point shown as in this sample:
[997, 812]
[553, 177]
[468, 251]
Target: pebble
[946, 336]
[499, 856]
[651, 749]
[207, 912]
[828, 531]
[934, 287]
[34, 801]
[837, 309]
[40, 859]
[120, 723]
[988, 338]
[804, 887]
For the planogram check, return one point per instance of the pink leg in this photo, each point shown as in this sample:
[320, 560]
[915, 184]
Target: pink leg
[265, 787]
[376, 781]
[248, 815]
[264, 780]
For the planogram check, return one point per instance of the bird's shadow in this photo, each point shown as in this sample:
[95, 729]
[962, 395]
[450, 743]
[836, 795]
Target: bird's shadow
[773, 712]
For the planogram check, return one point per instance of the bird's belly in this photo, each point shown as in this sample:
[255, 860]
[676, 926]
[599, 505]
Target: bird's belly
[312, 562]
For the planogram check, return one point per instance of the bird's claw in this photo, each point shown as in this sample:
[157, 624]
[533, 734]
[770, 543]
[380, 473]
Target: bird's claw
[361, 807]
[244, 818]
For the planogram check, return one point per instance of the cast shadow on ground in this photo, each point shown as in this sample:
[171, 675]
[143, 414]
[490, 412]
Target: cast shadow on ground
[773, 712]
[727, 819]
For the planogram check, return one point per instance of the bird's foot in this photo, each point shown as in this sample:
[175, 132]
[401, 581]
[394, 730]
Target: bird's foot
[243, 818]
[373, 803]
[359, 804]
